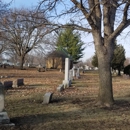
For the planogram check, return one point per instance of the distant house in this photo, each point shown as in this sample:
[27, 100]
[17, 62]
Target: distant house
[56, 59]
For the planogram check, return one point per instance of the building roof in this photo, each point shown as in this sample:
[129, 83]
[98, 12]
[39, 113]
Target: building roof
[59, 52]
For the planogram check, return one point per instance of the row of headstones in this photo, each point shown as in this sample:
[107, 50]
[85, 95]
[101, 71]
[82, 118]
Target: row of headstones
[13, 84]
[68, 78]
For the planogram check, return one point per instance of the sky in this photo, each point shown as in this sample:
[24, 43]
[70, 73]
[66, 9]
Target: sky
[87, 39]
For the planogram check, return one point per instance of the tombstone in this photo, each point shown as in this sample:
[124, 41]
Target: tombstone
[4, 119]
[71, 75]
[60, 88]
[8, 84]
[17, 83]
[78, 73]
[74, 69]
[66, 80]
[126, 76]
[60, 70]
[47, 98]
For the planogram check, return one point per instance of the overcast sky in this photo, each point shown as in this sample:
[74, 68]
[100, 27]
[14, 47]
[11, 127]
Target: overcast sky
[89, 51]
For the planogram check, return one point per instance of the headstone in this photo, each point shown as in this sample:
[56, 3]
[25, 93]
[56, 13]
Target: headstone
[60, 88]
[47, 98]
[8, 84]
[66, 80]
[17, 83]
[4, 119]
[78, 73]
[126, 76]
[74, 69]
[71, 74]
[60, 70]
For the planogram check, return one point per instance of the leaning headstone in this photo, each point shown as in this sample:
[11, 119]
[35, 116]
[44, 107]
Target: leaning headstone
[60, 88]
[4, 119]
[47, 98]
[66, 80]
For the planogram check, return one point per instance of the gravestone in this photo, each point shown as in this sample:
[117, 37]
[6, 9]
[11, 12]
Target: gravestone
[60, 88]
[8, 84]
[4, 119]
[47, 98]
[74, 71]
[17, 83]
[126, 76]
[71, 74]
[78, 73]
[66, 80]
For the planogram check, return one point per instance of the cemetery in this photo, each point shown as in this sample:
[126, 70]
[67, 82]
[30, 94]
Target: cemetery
[61, 100]
[50, 79]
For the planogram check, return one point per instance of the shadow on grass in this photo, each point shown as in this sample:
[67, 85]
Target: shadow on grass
[44, 118]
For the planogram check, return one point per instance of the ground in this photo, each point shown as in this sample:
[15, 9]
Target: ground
[72, 109]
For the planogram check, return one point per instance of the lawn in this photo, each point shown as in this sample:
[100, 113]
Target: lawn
[72, 109]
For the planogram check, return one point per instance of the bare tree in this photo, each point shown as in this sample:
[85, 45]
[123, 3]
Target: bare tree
[4, 9]
[105, 19]
[24, 31]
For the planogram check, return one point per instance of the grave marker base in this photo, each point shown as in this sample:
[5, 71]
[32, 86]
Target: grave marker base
[4, 119]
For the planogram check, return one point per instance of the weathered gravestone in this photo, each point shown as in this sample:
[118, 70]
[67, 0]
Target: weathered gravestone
[74, 71]
[71, 75]
[60, 88]
[8, 84]
[17, 83]
[126, 76]
[4, 119]
[47, 98]
[66, 80]
[78, 73]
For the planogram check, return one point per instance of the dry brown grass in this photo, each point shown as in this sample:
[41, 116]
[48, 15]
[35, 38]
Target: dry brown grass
[73, 109]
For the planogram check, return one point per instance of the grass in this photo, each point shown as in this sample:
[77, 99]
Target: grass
[72, 109]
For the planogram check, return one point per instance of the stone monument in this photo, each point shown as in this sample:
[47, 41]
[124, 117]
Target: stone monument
[4, 119]
[66, 80]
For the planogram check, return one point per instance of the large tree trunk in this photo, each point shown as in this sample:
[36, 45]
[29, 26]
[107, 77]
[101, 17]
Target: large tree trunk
[104, 50]
[105, 96]
[21, 62]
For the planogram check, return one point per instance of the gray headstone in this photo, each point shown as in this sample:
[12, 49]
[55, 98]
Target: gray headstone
[1, 97]
[18, 82]
[60, 88]
[8, 84]
[47, 98]
[4, 119]
[78, 73]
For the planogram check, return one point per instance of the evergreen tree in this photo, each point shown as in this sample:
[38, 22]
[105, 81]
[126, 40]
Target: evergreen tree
[117, 61]
[119, 58]
[71, 42]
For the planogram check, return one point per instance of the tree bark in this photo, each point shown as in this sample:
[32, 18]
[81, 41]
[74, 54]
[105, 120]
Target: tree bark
[105, 96]
[104, 50]
[21, 62]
